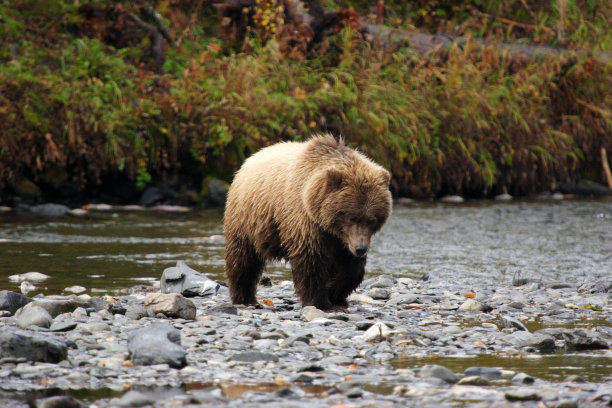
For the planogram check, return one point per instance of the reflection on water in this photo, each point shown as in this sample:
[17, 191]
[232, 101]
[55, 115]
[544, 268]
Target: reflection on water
[595, 367]
[568, 241]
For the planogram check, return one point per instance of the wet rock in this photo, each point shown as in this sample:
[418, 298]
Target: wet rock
[486, 372]
[187, 281]
[157, 195]
[475, 380]
[171, 304]
[354, 392]
[29, 276]
[157, 344]
[383, 281]
[60, 401]
[503, 197]
[537, 342]
[452, 199]
[474, 305]
[32, 346]
[12, 301]
[34, 316]
[522, 395]
[580, 339]
[213, 192]
[253, 356]
[49, 210]
[57, 305]
[440, 372]
[76, 289]
[402, 299]
[522, 378]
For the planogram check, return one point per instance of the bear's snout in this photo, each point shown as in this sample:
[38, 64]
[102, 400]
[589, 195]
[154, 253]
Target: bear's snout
[361, 250]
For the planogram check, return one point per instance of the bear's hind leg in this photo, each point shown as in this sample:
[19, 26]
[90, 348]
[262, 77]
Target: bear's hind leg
[243, 268]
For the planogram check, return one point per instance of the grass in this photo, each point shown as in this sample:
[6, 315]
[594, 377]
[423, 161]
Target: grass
[473, 123]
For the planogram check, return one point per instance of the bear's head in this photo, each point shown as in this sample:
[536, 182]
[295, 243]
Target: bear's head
[350, 200]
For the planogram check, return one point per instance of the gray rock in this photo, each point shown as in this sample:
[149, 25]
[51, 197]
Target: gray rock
[516, 305]
[253, 356]
[171, 305]
[512, 323]
[522, 378]
[34, 316]
[403, 300]
[382, 281]
[452, 199]
[49, 210]
[354, 392]
[486, 372]
[473, 305]
[187, 281]
[438, 371]
[135, 311]
[157, 344]
[12, 301]
[522, 395]
[379, 293]
[32, 346]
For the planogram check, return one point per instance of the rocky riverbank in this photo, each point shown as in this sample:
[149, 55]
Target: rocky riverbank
[398, 346]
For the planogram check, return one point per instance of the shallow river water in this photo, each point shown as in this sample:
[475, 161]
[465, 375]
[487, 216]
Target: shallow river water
[569, 241]
[564, 242]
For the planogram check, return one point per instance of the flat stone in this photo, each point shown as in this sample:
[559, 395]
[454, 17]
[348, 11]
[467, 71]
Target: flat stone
[379, 293]
[378, 330]
[253, 356]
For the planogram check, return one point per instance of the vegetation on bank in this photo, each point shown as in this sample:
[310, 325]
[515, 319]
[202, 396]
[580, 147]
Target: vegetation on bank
[78, 113]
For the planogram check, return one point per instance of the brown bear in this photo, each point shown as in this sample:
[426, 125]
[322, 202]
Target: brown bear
[316, 204]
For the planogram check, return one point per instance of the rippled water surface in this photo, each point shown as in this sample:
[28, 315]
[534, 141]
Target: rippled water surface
[569, 241]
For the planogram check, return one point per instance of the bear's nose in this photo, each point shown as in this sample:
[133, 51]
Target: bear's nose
[360, 250]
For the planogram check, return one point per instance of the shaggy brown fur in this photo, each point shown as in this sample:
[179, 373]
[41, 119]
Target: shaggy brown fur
[316, 204]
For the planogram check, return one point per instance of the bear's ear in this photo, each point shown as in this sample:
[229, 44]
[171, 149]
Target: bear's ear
[386, 177]
[334, 178]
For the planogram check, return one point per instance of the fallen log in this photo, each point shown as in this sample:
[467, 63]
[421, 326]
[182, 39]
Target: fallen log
[427, 43]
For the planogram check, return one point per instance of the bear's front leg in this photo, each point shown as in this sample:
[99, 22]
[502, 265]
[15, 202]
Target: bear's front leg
[349, 271]
[310, 277]
[243, 268]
